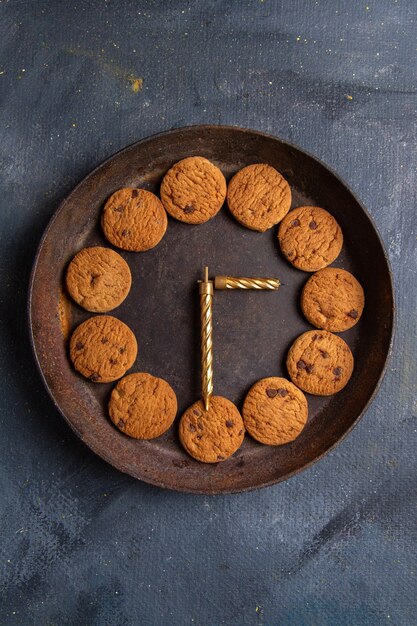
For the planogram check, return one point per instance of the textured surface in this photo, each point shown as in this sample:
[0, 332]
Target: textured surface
[320, 362]
[332, 299]
[193, 190]
[274, 411]
[143, 406]
[258, 196]
[102, 348]
[134, 220]
[82, 543]
[310, 238]
[211, 435]
[98, 279]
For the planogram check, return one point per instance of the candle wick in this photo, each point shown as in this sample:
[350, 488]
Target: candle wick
[206, 274]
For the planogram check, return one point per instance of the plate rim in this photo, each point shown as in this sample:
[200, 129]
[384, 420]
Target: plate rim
[204, 128]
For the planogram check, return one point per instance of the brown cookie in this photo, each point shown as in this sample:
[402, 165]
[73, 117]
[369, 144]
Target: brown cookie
[310, 238]
[275, 411]
[320, 363]
[332, 299]
[213, 435]
[134, 219]
[258, 196]
[193, 190]
[98, 279]
[103, 348]
[143, 406]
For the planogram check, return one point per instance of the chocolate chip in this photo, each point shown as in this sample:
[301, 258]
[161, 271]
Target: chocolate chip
[240, 432]
[118, 209]
[271, 393]
[121, 424]
[313, 225]
[79, 345]
[124, 233]
[229, 423]
[309, 368]
[104, 340]
[289, 254]
[189, 208]
[295, 223]
[122, 350]
[135, 193]
[324, 354]
[301, 365]
[192, 428]
[220, 457]
[197, 412]
[200, 425]
[314, 337]
[282, 392]
[353, 314]
[113, 361]
[337, 371]
[95, 377]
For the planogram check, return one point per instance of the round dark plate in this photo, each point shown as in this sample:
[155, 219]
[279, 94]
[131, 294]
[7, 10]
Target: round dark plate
[252, 330]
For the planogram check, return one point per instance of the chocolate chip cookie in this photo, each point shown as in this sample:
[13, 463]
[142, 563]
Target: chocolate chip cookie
[143, 406]
[213, 435]
[310, 238]
[275, 411]
[103, 348]
[320, 363]
[98, 279]
[134, 219]
[332, 299]
[193, 190]
[258, 196]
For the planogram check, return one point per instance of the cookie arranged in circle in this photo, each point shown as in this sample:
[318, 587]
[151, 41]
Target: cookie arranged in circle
[98, 279]
[332, 299]
[258, 196]
[193, 190]
[310, 238]
[143, 406]
[103, 348]
[213, 435]
[275, 411]
[134, 219]
[320, 363]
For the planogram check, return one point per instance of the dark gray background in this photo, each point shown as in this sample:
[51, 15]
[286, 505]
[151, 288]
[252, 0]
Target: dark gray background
[84, 544]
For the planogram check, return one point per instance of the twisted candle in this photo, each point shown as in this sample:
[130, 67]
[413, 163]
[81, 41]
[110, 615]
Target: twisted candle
[230, 282]
[206, 316]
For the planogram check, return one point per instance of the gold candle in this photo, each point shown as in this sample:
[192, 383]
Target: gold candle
[231, 282]
[206, 313]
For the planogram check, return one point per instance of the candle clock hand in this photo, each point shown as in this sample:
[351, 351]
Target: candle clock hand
[206, 314]
[234, 282]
